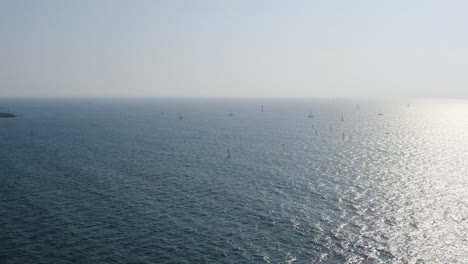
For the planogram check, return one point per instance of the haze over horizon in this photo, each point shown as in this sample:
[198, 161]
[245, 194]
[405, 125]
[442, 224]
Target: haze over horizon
[238, 48]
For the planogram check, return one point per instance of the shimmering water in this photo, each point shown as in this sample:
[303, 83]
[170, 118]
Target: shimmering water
[116, 181]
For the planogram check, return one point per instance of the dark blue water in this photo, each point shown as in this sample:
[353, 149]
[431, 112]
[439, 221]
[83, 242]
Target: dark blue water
[116, 181]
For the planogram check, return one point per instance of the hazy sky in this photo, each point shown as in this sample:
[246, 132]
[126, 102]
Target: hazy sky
[234, 48]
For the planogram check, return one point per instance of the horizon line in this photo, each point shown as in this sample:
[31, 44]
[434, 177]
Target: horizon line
[353, 97]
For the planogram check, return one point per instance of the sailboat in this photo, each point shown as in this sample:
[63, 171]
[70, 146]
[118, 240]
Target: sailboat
[231, 114]
[262, 108]
[180, 117]
[310, 115]
[228, 153]
[342, 117]
[358, 107]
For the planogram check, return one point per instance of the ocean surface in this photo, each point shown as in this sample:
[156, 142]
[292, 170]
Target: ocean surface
[125, 181]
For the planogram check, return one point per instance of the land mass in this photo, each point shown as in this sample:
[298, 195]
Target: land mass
[6, 115]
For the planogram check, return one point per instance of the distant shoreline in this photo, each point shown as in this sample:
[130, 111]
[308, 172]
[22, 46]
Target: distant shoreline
[7, 115]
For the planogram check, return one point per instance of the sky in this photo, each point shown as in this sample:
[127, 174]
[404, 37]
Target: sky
[330, 48]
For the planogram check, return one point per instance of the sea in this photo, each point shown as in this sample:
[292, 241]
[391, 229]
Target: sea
[125, 180]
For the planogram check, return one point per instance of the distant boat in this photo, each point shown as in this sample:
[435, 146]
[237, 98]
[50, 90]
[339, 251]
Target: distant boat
[310, 115]
[342, 117]
[228, 153]
[283, 147]
[379, 113]
[180, 117]
[231, 114]
[261, 109]
[358, 107]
